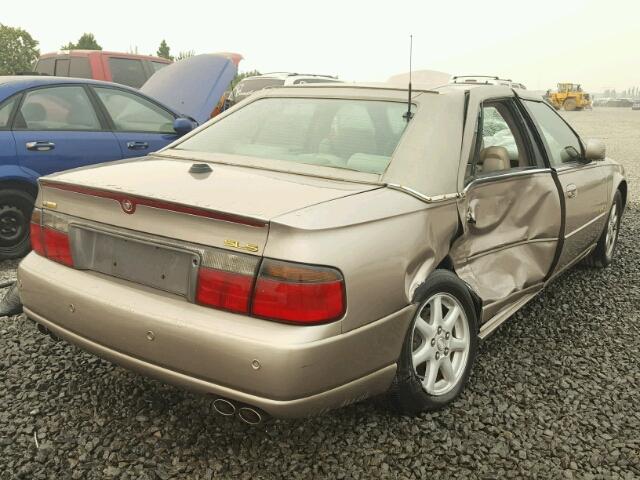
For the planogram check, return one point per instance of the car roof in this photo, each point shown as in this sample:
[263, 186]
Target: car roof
[20, 82]
[84, 53]
[16, 83]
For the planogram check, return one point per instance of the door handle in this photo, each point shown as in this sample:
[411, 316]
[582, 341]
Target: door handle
[40, 146]
[137, 145]
[572, 191]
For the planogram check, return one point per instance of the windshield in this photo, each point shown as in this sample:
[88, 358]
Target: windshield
[358, 135]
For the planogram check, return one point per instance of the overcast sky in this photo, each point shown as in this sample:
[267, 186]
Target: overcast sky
[539, 43]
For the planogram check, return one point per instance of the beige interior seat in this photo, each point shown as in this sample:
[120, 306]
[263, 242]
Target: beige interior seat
[494, 159]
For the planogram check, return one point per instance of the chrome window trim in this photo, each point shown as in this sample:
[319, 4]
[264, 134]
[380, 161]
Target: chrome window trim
[504, 176]
[425, 198]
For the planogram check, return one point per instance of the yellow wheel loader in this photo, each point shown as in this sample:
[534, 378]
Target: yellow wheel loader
[569, 96]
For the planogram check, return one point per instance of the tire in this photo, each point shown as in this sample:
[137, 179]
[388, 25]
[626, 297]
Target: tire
[602, 255]
[413, 390]
[15, 214]
[570, 105]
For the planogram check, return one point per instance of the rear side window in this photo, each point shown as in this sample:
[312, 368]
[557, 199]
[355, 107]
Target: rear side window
[158, 65]
[127, 71]
[57, 108]
[45, 66]
[561, 142]
[80, 68]
[133, 113]
[62, 67]
[5, 111]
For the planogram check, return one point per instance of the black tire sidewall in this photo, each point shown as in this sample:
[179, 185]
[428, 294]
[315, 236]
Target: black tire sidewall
[598, 257]
[409, 396]
[25, 202]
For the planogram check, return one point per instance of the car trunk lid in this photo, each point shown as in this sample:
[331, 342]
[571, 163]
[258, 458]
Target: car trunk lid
[228, 207]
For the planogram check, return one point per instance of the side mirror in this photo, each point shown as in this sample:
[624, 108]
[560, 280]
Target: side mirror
[183, 125]
[595, 150]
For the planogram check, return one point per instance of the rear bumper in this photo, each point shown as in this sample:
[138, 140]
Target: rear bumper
[302, 370]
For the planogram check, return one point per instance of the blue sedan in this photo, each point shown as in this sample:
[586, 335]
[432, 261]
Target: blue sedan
[49, 124]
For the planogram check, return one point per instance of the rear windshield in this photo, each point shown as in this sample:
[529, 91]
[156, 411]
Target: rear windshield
[358, 135]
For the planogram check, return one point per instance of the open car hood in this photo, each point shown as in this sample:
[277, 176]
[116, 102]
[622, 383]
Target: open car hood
[193, 86]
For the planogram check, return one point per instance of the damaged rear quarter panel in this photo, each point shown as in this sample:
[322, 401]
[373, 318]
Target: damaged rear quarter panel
[385, 243]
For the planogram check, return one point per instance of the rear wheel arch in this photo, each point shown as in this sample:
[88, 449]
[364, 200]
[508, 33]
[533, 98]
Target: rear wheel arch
[622, 186]
[29, 187]
[406, 394]
[447, 264]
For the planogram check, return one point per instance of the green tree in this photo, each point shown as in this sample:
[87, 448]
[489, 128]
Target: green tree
[86, 42]
[185, 54]
[18, 50]
[164, 51]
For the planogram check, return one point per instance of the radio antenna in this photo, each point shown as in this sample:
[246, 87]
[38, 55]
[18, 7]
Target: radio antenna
[408, 115]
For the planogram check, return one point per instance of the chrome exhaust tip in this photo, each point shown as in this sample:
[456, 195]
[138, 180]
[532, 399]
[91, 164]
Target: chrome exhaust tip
[250, 416]
[224, 407]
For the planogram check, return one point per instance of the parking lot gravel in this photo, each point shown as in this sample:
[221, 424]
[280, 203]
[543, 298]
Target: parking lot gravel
[554, 395]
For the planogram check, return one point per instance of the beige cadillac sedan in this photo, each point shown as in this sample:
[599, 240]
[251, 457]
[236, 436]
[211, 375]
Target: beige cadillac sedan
[318, 245]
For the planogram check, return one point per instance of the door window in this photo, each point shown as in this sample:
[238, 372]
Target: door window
[80, 67]
[62, 67]
[127, 71]
[45, 66]
[502, 146]
[57, 108]
[132, 113]
[563, 144]
[5, 111]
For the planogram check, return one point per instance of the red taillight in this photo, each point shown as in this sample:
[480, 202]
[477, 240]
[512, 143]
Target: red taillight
[56, 245]
[284, 291]
[48, 238]
[36, 232]
[225, 280]
[298, 293]
[225, 290]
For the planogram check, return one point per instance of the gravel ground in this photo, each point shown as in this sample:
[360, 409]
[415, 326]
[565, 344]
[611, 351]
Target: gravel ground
[554, 395]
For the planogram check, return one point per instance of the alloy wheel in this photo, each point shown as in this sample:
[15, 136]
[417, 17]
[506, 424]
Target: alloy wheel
[612, 230]
[440, 343]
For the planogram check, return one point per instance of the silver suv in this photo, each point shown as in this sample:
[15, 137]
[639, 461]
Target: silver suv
[275, 79]
[485, 80]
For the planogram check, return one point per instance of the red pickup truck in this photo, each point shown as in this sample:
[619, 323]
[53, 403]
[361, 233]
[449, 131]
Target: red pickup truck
[125, 68]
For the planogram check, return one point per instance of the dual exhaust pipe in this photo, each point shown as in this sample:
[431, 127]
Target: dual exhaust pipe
[249, 415]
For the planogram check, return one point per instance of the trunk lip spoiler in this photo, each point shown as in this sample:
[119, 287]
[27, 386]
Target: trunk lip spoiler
[135, 200]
